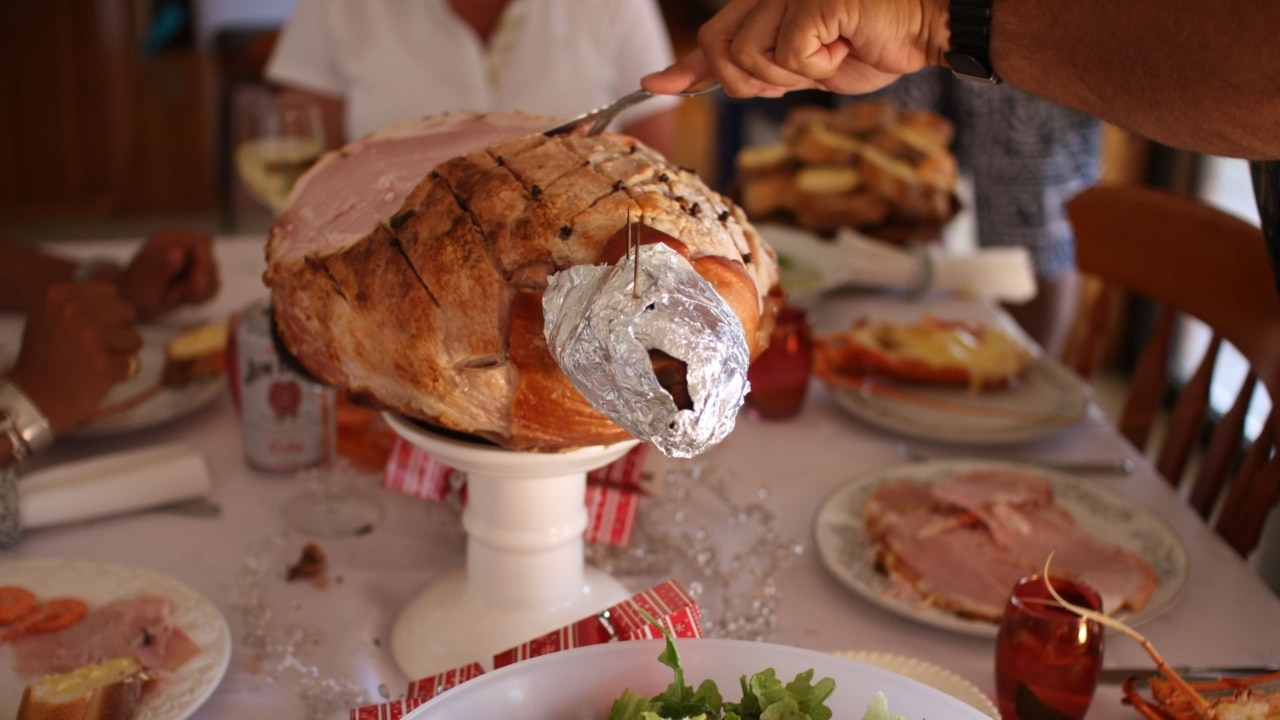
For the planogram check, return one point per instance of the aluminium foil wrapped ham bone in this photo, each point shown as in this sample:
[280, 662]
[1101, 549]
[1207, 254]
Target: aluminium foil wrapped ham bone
[409, 267]
[603, 321]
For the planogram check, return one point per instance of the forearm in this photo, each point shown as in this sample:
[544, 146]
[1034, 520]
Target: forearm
[1196, 74]
[26, 273]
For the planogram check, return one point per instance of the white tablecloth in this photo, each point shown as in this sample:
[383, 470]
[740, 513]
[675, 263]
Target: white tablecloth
[340, 649]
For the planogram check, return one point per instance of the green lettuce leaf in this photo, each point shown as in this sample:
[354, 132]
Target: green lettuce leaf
[764, 696]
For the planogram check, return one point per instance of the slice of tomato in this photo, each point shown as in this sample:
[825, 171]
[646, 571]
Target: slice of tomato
[46, 617]
[14, 603]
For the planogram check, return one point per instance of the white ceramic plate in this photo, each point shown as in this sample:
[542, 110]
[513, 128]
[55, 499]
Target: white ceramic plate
[805, 264]
[929, 674]
[170, 403]
[99, 583]
[582, 683]
[847, 552]
[160, 405]
[1047, 399]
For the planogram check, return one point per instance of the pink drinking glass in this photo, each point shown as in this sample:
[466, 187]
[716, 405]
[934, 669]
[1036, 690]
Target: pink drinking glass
[1047, 657]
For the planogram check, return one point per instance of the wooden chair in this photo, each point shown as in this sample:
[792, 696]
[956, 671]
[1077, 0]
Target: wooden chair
[1188, 257]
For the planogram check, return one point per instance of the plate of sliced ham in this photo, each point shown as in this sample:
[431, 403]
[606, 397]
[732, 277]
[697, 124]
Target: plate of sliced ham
[943, 542]
[179, 637]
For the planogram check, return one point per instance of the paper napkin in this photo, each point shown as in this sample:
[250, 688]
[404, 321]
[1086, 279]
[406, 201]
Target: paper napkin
[111, 485]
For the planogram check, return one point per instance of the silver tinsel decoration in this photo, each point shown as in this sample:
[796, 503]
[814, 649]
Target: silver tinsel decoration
[278, 644]
[724, 549]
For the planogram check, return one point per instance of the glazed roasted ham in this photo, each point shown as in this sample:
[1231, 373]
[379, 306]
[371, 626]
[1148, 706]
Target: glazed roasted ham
[963, 543]
[409, 267]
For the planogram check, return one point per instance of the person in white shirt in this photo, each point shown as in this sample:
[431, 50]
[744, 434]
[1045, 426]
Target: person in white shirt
[373, 63]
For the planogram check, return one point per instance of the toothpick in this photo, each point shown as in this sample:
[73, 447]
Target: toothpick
[635, 278]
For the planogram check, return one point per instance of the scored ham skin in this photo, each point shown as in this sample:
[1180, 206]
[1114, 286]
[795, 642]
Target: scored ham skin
[427, 300]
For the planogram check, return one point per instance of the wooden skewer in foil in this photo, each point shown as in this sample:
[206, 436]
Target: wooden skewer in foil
[635, 279]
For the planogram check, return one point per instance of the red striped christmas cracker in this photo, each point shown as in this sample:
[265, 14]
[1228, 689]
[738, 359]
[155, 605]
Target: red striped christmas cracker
[429, 687]
[612, 497]
[393, 710]
[413, 471]
[611, 515]
[624, 472]
[667, 602]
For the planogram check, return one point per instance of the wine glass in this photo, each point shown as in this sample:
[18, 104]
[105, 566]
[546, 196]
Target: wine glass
[278, 138]
[1047, 656]
[333, 504]
[289, 420]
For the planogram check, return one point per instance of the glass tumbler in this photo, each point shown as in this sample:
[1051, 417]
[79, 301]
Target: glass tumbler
[779, 377]
[1047, 657]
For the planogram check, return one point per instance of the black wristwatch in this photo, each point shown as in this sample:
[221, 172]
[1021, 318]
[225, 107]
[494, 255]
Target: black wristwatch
[970, 25]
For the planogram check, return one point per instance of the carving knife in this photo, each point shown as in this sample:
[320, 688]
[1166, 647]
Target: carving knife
[1115, 676]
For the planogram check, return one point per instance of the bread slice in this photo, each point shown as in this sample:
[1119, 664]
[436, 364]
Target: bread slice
[198, 352]
[109, 690]
[763, 158]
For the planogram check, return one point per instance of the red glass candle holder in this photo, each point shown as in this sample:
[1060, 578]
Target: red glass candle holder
[1047, 657]
[779, 377]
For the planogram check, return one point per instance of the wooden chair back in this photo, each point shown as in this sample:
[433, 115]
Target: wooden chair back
[1188, 258]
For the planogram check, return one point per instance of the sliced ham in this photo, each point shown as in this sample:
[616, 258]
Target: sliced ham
[996, 497]
[1124, 580]
[893, 498]
[141, 626]
[962, 544]
[960, 570]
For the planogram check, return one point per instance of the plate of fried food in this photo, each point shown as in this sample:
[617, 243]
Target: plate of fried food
[958, 381]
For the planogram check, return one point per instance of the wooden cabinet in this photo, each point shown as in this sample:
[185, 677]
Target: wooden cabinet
[92, 126]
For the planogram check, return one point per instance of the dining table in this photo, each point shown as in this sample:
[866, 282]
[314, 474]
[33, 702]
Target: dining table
[303, 650]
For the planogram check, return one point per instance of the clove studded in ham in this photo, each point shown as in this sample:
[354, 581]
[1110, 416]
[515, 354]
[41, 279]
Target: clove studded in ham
[409, 267]
[961, 544]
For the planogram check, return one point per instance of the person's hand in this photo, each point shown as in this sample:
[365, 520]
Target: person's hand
[174, 267]
[769, 47]
[78, 342]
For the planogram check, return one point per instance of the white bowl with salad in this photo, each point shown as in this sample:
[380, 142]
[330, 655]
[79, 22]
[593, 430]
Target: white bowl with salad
[625, 680]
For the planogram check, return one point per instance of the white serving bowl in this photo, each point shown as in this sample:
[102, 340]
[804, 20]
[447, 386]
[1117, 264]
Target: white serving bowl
[581, 684]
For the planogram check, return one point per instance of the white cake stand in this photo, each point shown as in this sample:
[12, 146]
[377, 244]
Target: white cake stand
[525, 574]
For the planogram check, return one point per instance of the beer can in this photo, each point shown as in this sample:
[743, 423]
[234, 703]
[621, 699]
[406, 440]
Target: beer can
[283, 416]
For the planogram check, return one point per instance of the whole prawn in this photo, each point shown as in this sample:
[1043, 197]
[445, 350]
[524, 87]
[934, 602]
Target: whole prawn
[1173, 698]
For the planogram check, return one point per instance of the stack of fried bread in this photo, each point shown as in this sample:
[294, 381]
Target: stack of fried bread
[109, 690]
[195, 353]
[873, 166]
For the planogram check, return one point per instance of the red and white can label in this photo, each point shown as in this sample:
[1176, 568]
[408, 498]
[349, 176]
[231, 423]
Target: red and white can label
[282, 414]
